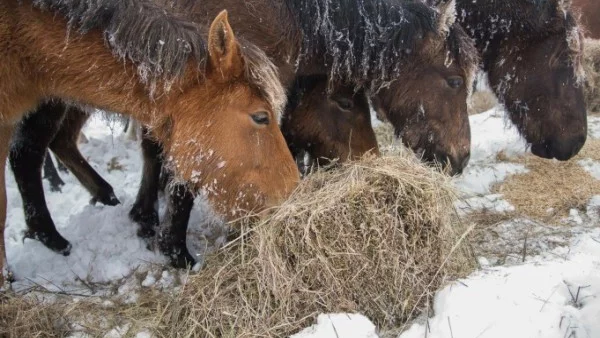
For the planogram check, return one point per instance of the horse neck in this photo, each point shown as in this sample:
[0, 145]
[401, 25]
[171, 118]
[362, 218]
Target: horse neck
[82, 68]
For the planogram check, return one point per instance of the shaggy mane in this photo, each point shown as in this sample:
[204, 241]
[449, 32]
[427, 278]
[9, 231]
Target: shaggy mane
[497, 20]
[143, 31]
[360, 38]
[159, 41]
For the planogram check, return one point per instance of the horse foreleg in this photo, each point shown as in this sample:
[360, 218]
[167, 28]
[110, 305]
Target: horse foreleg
[27, 152]
[172, 237]
[144, 210]
[64, 145]
[5, 136]
[51, 174]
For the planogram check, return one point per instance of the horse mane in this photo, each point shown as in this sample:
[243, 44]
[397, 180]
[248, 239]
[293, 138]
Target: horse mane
[517, 17]
[156, 35]
[145, 32]
[366, 42]
[491, 21]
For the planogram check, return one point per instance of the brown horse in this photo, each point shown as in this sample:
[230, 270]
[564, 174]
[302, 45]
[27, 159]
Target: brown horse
[590, 16]
[532, 52]
[217, 124]
[412, 58]
[327, 125]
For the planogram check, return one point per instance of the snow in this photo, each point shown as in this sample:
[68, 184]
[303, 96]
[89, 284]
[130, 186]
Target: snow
[555, 298]
[479, 179]
[591, 166]
[491, 133]
[491, 202]
[339, 325]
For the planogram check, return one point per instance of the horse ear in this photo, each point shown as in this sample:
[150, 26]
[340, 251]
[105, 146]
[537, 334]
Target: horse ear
[446, 15]
[225, 54]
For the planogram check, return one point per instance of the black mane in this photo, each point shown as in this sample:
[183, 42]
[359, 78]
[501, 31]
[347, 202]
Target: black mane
[362, 40]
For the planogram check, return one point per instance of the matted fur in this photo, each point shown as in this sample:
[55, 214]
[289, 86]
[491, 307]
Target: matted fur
[368, 42]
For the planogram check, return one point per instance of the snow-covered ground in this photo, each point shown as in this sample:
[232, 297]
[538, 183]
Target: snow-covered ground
[552, 293]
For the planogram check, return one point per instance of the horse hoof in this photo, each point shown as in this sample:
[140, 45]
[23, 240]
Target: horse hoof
[146, 233]
[178, 255]
[181, 259]
[146, 220]
[107, 199]
[53, 241]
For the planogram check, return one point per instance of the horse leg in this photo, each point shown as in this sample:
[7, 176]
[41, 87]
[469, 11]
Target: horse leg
[5, 136]
[171, 240]
[27, 153]
[144, 210]
[64, 145]
[51, 174]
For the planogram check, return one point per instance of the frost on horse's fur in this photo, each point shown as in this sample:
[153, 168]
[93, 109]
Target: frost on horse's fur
[156, 40]
[382, 31]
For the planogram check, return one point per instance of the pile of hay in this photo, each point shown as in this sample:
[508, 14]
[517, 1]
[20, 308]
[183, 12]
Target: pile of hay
[376, 237]
[29, 317]
[591, 63]
[551, 188]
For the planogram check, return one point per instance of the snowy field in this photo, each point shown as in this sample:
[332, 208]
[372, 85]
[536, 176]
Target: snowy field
[552, 292]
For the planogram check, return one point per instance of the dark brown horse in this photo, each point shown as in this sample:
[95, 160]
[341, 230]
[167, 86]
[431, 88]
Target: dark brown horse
[532, 51]
[166, 77]
[590, 16]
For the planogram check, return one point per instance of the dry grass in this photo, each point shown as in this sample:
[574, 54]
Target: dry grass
[377, 237]
[28, 317]
[384, 133]
[551, 188]
[592, 69]
[482, 101]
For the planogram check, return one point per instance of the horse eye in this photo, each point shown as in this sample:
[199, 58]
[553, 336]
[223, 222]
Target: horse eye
[261, 118]
[455, 81]
[344, 103]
